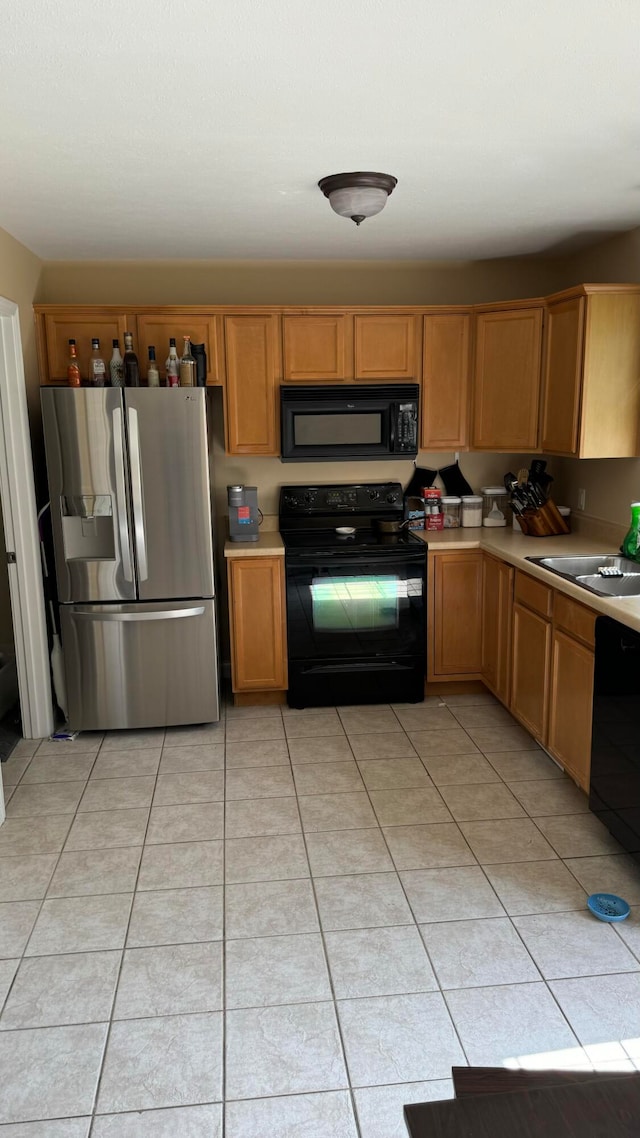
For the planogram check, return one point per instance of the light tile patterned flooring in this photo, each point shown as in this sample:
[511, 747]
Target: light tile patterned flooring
[312, 935]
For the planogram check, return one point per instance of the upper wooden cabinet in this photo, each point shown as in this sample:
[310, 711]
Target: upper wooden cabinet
[591, 373]
[80, 324]
[385, 347]
[317, 348]
[445, 381]
[253, 370]
[507, 379]
[157, 329]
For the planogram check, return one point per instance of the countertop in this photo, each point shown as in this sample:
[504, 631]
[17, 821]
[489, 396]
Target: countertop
[269, 544]
[505, 543]
[509, 545]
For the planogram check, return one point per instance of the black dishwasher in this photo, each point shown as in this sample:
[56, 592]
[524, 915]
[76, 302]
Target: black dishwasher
[614, 791]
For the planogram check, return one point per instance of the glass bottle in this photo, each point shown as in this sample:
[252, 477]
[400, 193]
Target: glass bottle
[172, 366]
[116, 366]
[73, 367]
[153, 375]
[631, 543]
[188, 366]
[97, 367]
[130, 362]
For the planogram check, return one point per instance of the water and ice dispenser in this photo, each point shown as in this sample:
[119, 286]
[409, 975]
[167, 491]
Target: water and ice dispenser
[87, 527]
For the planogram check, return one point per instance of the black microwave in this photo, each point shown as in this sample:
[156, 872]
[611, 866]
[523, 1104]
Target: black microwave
[327, 423]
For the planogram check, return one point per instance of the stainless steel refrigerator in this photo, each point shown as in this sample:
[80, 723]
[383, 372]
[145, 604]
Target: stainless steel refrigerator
[132, 527]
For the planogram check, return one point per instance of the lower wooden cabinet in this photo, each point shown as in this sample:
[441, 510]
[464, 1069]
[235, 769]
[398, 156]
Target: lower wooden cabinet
[571, 705]
[497, 605]
[455, 619]
[257, 623]
[530, 670]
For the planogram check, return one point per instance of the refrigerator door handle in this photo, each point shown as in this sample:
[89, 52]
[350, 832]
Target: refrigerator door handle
[121, 494]
[167, 614]
[136, 494]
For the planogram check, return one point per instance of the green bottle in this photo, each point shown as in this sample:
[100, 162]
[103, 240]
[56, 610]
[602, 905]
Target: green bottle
[631, 543]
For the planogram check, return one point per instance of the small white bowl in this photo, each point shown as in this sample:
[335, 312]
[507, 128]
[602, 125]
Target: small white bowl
[345, 531]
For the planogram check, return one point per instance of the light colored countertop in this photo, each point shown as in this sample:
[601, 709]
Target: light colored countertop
[269, 544]
[509, 545]
[505, 543]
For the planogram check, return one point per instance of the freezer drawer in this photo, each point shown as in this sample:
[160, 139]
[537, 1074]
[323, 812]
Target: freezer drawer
[140, 665]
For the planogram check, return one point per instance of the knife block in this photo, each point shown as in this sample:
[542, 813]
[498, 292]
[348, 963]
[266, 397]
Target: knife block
[546, 521]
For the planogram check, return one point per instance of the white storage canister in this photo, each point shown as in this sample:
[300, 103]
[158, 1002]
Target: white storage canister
[471, 510]
[451, 510]
[495, 506]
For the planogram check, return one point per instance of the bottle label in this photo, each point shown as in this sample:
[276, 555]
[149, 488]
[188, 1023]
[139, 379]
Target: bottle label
[73, 375]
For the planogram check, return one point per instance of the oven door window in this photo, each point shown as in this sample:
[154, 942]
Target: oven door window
[367, 609]
[356, 604]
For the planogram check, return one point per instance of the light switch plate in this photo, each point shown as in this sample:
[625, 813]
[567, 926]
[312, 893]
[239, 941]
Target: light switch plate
[582, 499]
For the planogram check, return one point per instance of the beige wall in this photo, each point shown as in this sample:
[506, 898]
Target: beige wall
[294, 282]
[610, 484]
[19, 276]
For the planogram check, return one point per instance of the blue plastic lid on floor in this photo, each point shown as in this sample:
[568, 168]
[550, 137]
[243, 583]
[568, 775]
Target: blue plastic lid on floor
[608, 907]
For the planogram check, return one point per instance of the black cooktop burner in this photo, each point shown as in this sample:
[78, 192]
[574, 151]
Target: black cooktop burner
[320, 540]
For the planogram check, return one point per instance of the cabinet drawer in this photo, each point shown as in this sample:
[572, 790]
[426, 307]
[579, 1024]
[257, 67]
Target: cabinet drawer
[575, 619]
[533, 594]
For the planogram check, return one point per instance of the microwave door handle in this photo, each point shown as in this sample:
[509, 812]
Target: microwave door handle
[121, 495]
[136, 494]
[393, 414]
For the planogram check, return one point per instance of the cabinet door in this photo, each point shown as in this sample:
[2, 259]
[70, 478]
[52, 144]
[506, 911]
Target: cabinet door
[562, 376]
[257, 623]
[317, 348]
[445, 382]
[497, 606]
[571, 706]
[251, 390]
[385, 347]
[158, 330]
[530, 672]
[82, 326]
[455, 619]
[507, 379]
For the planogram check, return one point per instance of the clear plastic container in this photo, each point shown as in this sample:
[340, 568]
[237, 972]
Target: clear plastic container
[471, 510]
[495, 506]
[452, 510]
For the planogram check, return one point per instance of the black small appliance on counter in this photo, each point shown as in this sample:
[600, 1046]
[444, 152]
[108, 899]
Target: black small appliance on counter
[356, 597]
[614, 792]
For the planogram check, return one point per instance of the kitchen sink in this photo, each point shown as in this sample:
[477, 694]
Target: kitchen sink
[624, 580]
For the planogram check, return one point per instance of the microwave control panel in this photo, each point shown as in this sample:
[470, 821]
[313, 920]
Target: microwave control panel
[407, 427]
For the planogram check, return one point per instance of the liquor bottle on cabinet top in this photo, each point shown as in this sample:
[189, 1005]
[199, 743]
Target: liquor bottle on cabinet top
[172, 366]
[116, 366]
[131, 369]
[73, 367]
[97, 367]
[188, 366]
[153, 375]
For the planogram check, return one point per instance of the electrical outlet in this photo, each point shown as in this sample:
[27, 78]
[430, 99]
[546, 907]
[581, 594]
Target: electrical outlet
[582, 499]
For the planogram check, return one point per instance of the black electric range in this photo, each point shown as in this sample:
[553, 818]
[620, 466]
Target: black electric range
[356, 612]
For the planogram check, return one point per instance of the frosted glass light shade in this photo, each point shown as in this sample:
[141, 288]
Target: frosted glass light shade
[358, 195]
[359, 202]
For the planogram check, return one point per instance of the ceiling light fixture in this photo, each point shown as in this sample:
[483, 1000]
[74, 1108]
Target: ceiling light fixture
[358, 195]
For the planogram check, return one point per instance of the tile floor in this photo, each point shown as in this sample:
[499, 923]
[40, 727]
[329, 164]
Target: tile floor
[296, 921]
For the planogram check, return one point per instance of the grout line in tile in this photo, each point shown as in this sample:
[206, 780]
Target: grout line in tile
[329, 974]
[117, 983]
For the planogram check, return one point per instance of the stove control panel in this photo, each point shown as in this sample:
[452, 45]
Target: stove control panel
[336, 498]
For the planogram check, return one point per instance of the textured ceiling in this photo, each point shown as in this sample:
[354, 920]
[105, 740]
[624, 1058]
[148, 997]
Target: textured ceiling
[199, 128]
